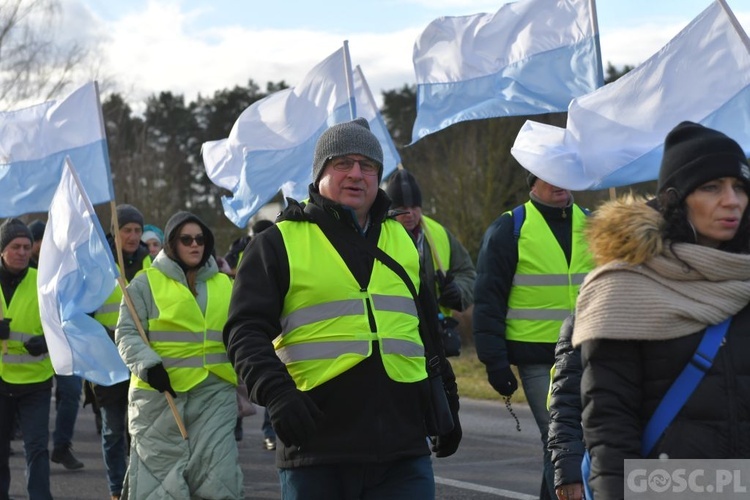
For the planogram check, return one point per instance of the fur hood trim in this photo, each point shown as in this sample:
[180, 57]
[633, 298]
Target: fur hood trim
[625, 229]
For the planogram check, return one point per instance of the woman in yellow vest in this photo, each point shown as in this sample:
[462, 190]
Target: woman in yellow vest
[182, 302]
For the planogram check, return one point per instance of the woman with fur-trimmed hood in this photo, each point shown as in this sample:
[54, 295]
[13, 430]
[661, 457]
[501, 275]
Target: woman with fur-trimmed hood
[667, 270]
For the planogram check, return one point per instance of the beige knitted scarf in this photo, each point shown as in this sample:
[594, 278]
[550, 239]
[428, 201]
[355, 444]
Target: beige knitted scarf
[666, 297]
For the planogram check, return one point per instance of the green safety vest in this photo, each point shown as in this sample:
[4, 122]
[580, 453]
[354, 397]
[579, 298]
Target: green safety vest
[18, 366]
[190, 343]
[545, 287]
[439, 237]
[326, 317]
[109, 312]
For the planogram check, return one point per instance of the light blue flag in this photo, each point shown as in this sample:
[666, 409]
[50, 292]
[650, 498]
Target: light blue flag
[76, 275]
[530, 57]
[271, 146]
[34, 143]
[615, 135]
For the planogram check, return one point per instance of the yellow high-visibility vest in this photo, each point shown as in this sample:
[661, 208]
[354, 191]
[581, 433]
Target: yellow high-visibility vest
[442, 245]
[109, 312]
[545, 287]
[190, 343]
[18, 366]
[329, 323]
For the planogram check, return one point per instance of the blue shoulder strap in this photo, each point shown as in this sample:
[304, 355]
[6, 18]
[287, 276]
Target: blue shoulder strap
[682, 388]
[519, 215]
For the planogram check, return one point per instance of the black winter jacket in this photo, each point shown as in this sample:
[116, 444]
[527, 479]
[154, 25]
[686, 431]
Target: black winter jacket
[367, 416]
[565, 441]
[496, 267]
[632, 378]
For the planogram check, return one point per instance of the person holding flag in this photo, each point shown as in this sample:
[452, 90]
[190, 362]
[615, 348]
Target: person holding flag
[181, 302]
[112, 401]
[25, 368]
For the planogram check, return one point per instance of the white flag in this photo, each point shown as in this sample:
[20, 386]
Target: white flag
[271, 146]
[76, 275]
[34, 143]
[615, 135]
[529, 57]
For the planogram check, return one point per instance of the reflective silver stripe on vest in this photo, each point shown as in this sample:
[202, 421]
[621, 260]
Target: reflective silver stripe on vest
[538, 314]
[183, 336]
[214, 336]
[403, 347]
[21, 336]
[217, 358]
[196, 361]
[322, 350]
[319, 312]
[394, 304]
[548, 279]
[22, 358]
[108, 308]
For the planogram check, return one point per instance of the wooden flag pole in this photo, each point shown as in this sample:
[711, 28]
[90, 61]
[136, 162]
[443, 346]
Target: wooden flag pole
[142, 332]
[134, 315]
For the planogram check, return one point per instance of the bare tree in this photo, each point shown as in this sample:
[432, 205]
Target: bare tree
[36, 61]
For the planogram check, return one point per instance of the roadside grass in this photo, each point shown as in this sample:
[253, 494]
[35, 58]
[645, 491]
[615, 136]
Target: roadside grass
[471, 377]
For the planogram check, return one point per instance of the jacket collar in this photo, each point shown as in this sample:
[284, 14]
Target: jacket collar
[377, 214]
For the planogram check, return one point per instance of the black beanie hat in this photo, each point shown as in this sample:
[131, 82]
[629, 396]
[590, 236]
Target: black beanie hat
[171, 233]
[403, 190]
[694, 155]
[127, 214]
[37, 229]
[347, 138]
[12, 229]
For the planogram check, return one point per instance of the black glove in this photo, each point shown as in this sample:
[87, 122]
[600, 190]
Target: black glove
[450, 294]
[294, 417]
[503, 381]
[445, 446]
[5, 329]
[158, 378]
[36, 345]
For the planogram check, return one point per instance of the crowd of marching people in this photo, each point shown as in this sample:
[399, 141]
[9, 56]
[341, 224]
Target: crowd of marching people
[337, 319]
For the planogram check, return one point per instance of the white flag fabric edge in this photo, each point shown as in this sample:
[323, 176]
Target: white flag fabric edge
[76, 275]
[529, 57]
[614, 136]
[35, 142]
[270, 147]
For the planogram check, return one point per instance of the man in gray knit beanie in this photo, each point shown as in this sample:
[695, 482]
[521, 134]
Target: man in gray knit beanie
[347, 138]
[301, 273]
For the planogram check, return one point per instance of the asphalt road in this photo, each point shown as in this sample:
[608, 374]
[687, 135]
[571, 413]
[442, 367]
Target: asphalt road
[494, 461]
